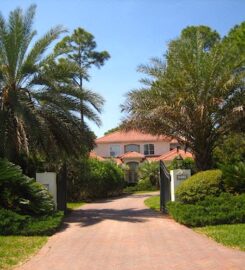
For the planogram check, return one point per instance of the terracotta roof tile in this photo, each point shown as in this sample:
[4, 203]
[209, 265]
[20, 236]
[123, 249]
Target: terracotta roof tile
[174, 153]
[132, 155]
[131, 136]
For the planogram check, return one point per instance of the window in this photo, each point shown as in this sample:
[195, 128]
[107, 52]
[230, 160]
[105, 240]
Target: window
[149, 149]
[115, 150]
[132, 148]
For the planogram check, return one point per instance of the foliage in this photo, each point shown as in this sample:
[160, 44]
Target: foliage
[153, 203]
[112, 130]
[142, 185]
[16, 249]
[200, 185]
[21, 193]
[230, 149]
[149, 171]
[225, 209]
[187, 163]
[44, 225]
[105, 179]
[234, 177]
[12, 223]
[91, 179]
[37, 94]
[79, 50]
[192, 94]
[232, 235]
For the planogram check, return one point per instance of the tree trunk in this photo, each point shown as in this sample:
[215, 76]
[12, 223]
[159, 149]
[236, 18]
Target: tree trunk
[203, 158]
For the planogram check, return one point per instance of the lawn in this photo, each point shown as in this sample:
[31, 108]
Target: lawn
[16, 249]
[74, 205]
[153, 203]
[232, 235]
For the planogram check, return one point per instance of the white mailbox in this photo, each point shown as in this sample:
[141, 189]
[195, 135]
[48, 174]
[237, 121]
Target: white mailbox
[48, 179]
[177, 177]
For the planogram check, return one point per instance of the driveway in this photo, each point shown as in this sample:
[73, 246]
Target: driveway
[122, 234]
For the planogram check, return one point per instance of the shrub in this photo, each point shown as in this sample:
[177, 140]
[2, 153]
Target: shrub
[225, 209]
[142, 185]
[149, 171]
[104, 179]
[45, 225]
[200, 185]
[21, 193]
[11, 222]
[234, 177]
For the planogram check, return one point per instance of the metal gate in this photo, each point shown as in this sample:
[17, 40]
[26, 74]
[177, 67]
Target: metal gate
[165, 193]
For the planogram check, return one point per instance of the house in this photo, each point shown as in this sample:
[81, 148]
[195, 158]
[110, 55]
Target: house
[133, 147]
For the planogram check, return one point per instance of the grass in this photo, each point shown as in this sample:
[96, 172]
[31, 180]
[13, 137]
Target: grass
[153, 203]
[74, 205]
[27, 241]
[232, 235]
[16, 249]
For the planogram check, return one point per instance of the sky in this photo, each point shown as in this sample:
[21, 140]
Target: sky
[132, 31]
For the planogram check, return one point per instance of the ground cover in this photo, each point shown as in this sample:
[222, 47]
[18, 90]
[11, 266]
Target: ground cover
[232, 235]
[16, 249]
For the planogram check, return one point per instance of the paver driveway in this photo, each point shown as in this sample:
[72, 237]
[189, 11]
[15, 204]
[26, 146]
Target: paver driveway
[122, 234]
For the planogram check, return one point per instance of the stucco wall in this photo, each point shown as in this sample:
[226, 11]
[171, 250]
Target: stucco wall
[103, 150]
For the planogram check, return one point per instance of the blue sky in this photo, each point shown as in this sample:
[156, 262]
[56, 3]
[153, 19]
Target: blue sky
[132, 31]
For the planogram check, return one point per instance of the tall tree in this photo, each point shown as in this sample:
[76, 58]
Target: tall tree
[34, 111]
[80, 49]
[192, 94]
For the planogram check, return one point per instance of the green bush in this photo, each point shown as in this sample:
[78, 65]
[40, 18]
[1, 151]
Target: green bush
[21, 193]
[225, 209]
[45, 225]
[142, 185]
[104, 179]
[200, 185]
[234, 177]
[11, 222]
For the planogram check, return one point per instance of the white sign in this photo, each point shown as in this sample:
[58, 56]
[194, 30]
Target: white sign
[177, 177]
[48, 179]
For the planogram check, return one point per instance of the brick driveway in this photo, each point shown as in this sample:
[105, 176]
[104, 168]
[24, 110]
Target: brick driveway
[121, 234]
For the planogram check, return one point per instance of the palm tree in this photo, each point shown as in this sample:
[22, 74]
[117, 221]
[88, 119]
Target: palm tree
[35, 105]
[191, 94]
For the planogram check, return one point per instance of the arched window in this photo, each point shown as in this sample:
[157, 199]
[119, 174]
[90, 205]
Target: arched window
[131, 148]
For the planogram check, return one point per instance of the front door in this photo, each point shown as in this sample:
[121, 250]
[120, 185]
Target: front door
[133, 169]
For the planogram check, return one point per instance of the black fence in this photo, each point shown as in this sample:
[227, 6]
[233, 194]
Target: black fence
[165, 189]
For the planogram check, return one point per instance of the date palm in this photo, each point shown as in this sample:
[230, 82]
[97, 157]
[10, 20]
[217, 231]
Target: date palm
[192, 94]
[34, 112]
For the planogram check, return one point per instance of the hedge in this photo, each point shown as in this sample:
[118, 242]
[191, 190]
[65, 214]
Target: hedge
[200, 185]
[224, 209]
[12, 223]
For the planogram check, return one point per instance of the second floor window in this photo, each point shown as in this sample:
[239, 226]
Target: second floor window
[149, 149]
[114, 150]
[132, 148]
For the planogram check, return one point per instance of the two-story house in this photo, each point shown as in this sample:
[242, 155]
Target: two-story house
[134, 147]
